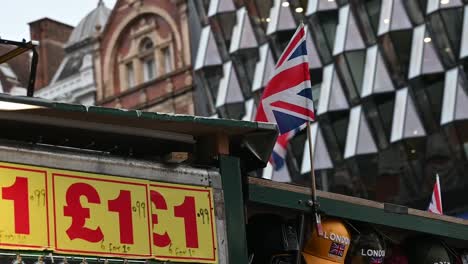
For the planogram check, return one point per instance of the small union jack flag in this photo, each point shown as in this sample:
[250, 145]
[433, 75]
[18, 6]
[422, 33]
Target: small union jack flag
[279, 151]
[287, 99]
[337, 249]
[436, 202]
[376, 260]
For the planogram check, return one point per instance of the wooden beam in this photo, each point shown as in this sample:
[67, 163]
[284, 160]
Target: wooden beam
[295, 197]
[350, 199]
[222, 144]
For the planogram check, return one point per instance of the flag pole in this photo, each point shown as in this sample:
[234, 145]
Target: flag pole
[315, 205]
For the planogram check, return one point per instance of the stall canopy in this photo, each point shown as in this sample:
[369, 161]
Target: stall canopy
[135, 133]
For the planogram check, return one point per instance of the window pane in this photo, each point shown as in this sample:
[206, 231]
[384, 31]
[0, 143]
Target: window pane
[146, 45]
[167, 60]
[148, 70]
[130, 75]
[373, 11]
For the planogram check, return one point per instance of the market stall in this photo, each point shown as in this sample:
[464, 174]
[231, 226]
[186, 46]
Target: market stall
[355, 230]
[94, 185]
[97, 185]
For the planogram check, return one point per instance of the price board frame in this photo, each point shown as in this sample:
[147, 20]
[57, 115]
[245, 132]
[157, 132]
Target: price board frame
[213, 228]
[79, 177]
[31, 170]
[153, 173]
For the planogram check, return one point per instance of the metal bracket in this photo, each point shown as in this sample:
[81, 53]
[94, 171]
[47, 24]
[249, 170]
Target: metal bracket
[315, 206]
[22, 47]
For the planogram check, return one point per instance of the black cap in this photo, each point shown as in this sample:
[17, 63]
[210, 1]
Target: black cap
[426, 250]
[367, 248]
[269, 235]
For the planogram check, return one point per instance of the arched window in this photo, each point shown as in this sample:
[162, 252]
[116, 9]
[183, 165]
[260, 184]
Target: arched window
[130, 75]
[167, 59]
[147, 59]
[146, 45]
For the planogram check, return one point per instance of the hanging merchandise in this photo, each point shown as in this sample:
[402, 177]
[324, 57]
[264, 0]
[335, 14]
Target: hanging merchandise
[331, 247]
[367, 248]
[426, 250]
[464, 257]
[271, 239]
[18, 260]
[396, 255]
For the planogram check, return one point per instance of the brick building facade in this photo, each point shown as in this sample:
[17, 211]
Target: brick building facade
[52, 36]
[75, 79]
[135, 56]
[144, 57]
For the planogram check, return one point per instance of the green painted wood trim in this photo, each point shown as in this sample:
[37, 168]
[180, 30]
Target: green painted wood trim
[278, 197]
[254, 138]
[338, 208]
[234, 209]
[227, 123]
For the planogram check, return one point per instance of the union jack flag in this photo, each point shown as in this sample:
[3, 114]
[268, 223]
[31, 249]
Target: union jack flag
[337, 249]
[287, 99]
[376, 260]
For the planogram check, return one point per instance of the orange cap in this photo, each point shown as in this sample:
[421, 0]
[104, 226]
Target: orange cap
[330, 248]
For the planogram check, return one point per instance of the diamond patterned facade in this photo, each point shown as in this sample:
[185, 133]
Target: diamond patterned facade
[388, 79]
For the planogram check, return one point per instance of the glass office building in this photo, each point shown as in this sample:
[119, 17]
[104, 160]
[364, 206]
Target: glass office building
[389, 81]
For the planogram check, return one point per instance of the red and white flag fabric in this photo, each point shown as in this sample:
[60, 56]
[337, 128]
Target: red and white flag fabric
[278, 155]
[436, 202]
[287, 98]
[280, 172]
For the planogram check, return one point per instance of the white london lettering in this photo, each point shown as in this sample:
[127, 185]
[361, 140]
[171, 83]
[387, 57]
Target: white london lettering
[336, 238]
[373, 252]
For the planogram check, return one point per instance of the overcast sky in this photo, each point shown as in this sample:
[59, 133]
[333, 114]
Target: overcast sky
[16, 14]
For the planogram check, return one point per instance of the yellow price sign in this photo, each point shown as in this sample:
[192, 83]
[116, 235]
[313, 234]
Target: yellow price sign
[92, 214]
[100, 215]
[183, 222]
[24, 207]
